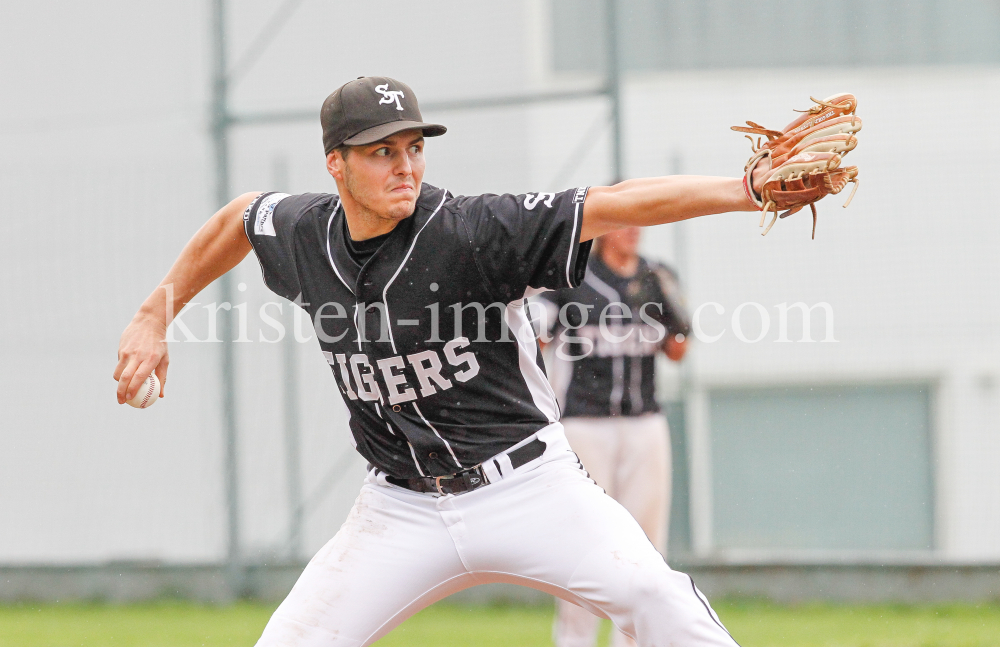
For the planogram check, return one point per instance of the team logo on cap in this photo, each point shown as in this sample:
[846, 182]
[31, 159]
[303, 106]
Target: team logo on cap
[388, 96]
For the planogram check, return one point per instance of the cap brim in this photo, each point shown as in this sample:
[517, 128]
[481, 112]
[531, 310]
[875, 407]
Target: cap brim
[378, 133]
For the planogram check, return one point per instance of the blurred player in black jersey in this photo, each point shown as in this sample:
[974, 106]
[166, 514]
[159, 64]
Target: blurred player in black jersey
[605, 378]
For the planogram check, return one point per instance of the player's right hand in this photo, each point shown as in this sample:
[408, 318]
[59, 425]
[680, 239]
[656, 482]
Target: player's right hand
[141, 351]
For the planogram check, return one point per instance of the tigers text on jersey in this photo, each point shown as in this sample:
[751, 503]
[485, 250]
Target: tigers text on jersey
[428, 340]
[611, 371]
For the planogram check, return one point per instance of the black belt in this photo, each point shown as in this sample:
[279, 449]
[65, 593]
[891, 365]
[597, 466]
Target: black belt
[470, 479]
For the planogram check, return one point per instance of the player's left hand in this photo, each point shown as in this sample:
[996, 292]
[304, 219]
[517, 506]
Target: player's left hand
[800, 165]
[675, 347]
[760, 173]
[141, 351]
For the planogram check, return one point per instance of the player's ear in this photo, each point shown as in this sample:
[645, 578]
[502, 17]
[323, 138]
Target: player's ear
[335, 164]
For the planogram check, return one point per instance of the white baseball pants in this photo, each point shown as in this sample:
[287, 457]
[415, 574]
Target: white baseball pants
[545, 525]
[630, 458]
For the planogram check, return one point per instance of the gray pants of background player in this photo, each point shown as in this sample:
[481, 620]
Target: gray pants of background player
[630, 458]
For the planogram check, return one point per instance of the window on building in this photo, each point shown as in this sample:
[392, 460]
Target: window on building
[822, 468]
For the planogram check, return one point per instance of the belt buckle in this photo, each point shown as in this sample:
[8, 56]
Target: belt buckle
[437, 483]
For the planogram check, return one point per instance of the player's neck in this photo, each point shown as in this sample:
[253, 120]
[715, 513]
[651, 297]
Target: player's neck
[622, 264]
[363, 223]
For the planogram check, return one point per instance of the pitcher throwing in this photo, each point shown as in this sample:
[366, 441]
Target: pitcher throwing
[417, 298]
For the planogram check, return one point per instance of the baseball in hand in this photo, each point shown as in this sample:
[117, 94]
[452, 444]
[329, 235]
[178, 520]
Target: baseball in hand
[147, 394]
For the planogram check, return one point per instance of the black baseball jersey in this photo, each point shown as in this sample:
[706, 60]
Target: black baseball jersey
[611, 372]
[428, 340]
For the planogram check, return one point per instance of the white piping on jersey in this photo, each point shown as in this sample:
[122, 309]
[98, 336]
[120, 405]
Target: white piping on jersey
[618, 386]
[606, 290]
[329, 255]
[356, 327]
[446, 443]
[541, 391]
[385, 290]
[389, 427]
[560, 376]
[635, 390]
[573, 242]
[379, 412]
[350, 434]
[617, 363]
[413, 454]
[560, 370]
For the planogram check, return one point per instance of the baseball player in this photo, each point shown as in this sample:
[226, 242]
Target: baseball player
[417, 297]
[606, 334]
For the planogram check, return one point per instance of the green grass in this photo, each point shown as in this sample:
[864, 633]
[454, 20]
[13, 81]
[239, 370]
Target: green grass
[765, 625]
[754, 624]
[155, 625]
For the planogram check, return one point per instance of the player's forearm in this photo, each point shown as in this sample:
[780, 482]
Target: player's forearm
[655, 201]
[217, 247]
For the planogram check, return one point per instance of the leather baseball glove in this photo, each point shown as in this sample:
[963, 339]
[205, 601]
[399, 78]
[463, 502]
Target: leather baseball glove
[805, 158]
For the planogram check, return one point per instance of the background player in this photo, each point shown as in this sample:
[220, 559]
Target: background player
[608, 392]
[471, 479]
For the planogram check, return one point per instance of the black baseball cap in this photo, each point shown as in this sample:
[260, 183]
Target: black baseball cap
[368, 109]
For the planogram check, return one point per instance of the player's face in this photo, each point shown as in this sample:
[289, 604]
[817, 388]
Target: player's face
[383, 178]
[624, 241]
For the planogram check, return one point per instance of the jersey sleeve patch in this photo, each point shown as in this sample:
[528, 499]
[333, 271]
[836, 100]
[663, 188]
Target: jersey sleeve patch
[264, 223]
